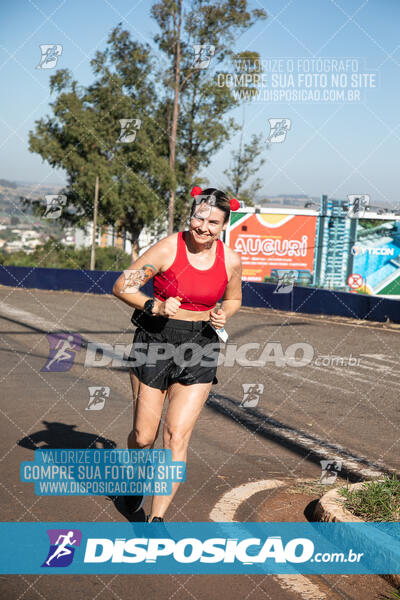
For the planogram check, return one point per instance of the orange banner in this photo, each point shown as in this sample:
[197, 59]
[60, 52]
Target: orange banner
[269, 241]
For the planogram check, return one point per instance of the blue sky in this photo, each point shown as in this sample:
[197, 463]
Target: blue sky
[334, 148]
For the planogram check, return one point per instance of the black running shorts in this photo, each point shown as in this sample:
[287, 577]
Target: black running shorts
[166, 351]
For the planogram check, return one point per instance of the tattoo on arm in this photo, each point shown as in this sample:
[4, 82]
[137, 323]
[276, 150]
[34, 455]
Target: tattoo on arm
[150, 271]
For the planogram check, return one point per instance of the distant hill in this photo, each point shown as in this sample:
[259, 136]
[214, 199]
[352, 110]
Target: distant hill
[9, 184]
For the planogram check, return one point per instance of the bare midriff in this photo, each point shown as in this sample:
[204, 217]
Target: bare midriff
[192, 315]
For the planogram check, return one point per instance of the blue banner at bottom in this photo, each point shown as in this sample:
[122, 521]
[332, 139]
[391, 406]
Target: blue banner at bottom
[200, 548]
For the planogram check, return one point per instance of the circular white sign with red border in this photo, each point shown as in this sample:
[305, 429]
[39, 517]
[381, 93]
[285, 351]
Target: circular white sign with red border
[355, 281]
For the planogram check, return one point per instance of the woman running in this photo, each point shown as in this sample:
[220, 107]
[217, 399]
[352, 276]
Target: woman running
[191, 271]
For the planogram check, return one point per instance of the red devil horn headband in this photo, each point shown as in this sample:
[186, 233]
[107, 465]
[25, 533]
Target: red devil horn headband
[196, 191]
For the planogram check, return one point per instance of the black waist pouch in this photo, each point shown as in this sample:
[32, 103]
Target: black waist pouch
[148, 323]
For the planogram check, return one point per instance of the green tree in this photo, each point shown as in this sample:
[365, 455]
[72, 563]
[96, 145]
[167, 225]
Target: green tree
[83, 138]
[195, 104]
[179, 111]
[52, 254]
[246, 162]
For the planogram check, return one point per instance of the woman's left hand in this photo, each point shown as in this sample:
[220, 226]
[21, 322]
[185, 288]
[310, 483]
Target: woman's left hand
[218, 318]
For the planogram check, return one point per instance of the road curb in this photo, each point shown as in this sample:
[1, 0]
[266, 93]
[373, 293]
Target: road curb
[330, 509]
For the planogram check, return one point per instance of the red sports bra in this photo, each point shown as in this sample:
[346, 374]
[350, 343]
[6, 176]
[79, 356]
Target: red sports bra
[199, 289]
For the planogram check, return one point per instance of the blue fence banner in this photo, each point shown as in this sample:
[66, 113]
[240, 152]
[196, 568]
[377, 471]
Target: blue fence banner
[200, 548]
[43, 278]
[306, 300]
[323, 302]
[92, 472]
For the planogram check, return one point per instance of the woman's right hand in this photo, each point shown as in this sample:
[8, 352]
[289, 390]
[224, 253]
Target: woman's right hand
[169, 307]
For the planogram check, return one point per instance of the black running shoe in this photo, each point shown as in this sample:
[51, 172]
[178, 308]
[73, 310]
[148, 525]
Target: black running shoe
[154, 519]
[133, 503]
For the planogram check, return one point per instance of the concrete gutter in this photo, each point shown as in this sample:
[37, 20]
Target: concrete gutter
[330, 509]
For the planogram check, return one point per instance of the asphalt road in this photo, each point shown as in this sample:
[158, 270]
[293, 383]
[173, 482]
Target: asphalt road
[345, 410]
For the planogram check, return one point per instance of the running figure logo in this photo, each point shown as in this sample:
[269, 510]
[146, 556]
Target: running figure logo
[251, 394]
[278, 129]
[129, 129]
[357, 205]
[285, 283]
[61, 551]
[54, 206]
[50, 54]
[98, 395]
[134, 278]
[202, 55]
[63, 347]
[330, 470]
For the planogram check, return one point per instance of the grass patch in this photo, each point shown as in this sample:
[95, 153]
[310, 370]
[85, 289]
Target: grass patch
[375, 500]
